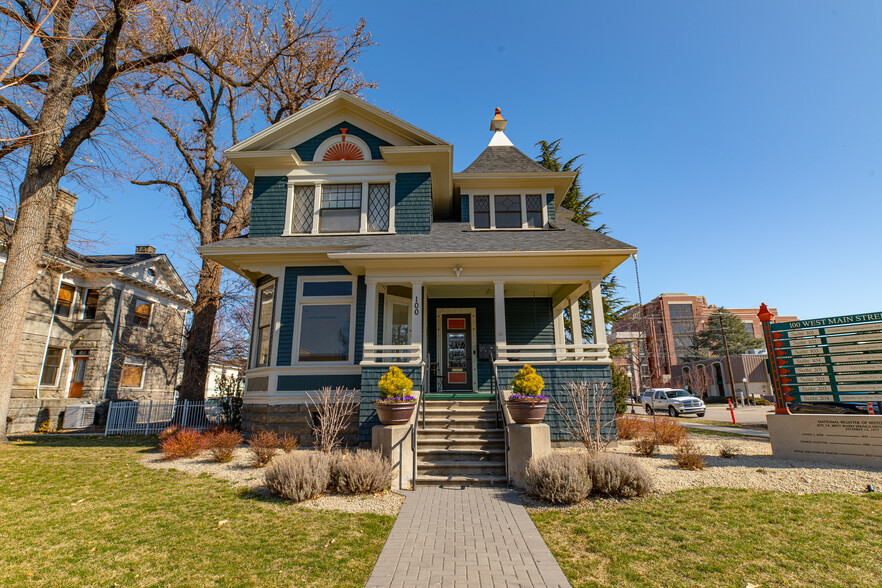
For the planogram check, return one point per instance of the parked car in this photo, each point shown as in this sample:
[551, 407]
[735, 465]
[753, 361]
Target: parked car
[674, 401]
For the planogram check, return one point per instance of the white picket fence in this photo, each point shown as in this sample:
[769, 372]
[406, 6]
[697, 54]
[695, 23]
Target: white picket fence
[148, 417]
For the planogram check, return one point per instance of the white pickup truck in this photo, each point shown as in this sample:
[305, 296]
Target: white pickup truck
[673, 401]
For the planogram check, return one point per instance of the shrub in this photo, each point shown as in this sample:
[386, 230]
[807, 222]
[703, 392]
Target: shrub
[394, 383]
[222, 443]
[645, 445]
[334, 411]
[527, 382]
[288, 443]
[763, 402]
[582, 409]
[299, 476]
[688, 457]
[169, 431]
[558, 478]
[183, 443]
[630, 426]
[263, 445]
[230, 388]
[670, 432]
[728, 450]
[362, 472]
[618, 476]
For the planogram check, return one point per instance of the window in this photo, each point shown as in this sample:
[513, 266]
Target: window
[341, 208]
[51, 366]
[397, 314]
[508, 211]
[304, 201]
[534, 211]
[143, 309]
[65, 300]
[132, 372]
[357, 207]
[378, 208]
[90, 309]
[482, 212]
[265, 297]
[325, 316]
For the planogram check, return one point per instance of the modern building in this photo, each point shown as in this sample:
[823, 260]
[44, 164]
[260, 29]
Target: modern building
[98, 327]
[749, 375]
[367, 251]
[669, 324]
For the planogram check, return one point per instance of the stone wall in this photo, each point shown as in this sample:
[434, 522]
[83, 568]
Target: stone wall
[291, 419]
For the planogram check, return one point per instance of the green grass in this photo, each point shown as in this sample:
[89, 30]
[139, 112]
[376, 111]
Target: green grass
[84, 512]
[717, 537]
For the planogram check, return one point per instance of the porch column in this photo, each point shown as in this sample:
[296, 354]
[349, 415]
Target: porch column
[499, 311]
[576, 320]
[597, 321]
[560, 337]
[416, 330]
[370, 313]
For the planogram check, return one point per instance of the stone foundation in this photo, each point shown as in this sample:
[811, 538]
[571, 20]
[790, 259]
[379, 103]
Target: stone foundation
[291, 419]
[27, 414]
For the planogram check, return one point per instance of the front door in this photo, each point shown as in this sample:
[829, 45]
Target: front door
[456, 358]
[79, 376]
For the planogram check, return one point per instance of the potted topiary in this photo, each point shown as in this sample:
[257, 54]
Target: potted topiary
[526, 404]
[395, 404]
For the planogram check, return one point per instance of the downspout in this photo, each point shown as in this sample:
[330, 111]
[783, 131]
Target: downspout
[113, 341]
[49, 334]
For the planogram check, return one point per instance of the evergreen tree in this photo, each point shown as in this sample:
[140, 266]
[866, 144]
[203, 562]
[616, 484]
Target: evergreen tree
[621, 385]
[708, 341]
[582, 206]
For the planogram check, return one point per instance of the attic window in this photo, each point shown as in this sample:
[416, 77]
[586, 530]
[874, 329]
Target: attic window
[342, 147]
[151, 272]
[508, 211]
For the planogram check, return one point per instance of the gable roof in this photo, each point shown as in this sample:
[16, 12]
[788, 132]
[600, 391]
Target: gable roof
[503, 159]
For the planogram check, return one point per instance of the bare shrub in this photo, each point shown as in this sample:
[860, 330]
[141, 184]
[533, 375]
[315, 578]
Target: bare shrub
[288, 443]
[558, 478]
[583, 415]
[669, 431]
[688, 457]
[184, 443]
[299, 476]
[263, 445]
[645, 445]
[630, 426]
[168, 432]
[728, 450]
[618, 476]
[222, 443]
[363, 472]
[334, 409]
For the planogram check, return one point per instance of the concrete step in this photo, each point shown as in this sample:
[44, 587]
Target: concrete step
[461, 468]
[456, 432]
[439, 422]
[465, 443]
[456, 455]
[470, 480]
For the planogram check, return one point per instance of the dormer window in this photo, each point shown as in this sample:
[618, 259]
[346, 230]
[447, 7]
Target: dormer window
[352, 207]
[508, 211]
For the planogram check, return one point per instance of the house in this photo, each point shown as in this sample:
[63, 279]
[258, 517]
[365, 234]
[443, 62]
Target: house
[367, 251]
[217, 372]
[98, 327]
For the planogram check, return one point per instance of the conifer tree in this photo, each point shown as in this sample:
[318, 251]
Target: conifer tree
[708, 341]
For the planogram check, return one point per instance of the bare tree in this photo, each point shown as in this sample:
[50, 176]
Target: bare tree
[60, 94]
[271, 61]
[334, 411]
[699, 380]
[584, 416]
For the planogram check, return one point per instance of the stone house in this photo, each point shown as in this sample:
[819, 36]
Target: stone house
[99, 327]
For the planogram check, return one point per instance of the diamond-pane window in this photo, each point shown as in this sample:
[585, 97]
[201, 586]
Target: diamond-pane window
[482, 212]
[304, 200]
[534, 210]
[508, 212]
[378, 207]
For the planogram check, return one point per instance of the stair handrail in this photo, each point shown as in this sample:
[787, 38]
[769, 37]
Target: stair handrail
[421, 404]
[500, 413]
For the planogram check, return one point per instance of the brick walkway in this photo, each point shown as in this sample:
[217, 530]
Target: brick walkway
[465, 536]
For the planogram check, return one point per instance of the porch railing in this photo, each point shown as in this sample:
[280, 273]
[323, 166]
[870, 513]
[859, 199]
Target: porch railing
[588, 353]
[385, 354]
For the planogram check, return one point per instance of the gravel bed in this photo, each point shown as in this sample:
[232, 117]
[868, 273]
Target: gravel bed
[242, 474]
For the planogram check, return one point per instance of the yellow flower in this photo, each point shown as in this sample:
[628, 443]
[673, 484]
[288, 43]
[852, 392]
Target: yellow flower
[394, 383]
[527, 382]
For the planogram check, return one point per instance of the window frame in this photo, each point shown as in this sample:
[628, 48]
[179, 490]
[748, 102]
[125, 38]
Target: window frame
[255, 329]
[523, 193]
[58, 369]
[152, 304]
[389, 301]
[365, 180]
[85, 304]
[302, 301]
[73, 300]
[142, 365]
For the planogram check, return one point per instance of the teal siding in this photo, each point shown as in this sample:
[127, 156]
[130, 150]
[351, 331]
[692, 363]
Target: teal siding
[268, 206]
[300, 383]
[289, 306]
[370, 377]
[413, 202]
[381, 316]
[484, 318]
[360, 296]
[556, 377]
[464, 209]
[306, 150]
[549, 199]
[529, 321]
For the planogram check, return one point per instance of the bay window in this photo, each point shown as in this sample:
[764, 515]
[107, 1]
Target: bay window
[326, 320]
[264, 324]
[352, 207]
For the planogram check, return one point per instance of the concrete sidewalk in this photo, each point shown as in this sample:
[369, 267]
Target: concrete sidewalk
[470, 536]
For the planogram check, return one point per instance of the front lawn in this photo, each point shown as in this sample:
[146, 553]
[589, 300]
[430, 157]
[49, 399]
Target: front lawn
[83, 512]
[718, 537]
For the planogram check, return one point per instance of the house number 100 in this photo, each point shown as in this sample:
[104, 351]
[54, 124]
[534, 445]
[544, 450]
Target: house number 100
[416, 306]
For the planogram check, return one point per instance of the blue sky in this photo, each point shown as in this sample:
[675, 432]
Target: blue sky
[738, 144]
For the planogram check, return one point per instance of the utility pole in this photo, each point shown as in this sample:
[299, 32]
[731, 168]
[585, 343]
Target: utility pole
[728, 360]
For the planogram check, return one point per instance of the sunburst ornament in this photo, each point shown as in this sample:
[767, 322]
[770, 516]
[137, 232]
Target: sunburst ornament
[343, 151]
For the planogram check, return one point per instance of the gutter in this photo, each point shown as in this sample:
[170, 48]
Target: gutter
[113, 342]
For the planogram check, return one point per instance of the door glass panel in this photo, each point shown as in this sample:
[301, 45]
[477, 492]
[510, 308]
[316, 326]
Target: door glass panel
[456, 351]
[79, 371]
[400, 315]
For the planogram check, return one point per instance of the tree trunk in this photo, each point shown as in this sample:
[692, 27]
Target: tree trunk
[199, 339]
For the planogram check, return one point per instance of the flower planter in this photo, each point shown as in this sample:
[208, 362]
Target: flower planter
[395, 413]
[527, 413]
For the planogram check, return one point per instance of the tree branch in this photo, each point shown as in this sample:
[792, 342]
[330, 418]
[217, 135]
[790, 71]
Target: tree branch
[182, 196]
[19, 113]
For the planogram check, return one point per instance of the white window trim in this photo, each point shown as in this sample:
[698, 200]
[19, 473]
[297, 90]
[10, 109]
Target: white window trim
[324, 301]
[523, 193]
[364, 180]
[255, 350]
[135, 306]
[58, 371]
[388, 301]
[143, 364]
[72, 311]
[82, 309]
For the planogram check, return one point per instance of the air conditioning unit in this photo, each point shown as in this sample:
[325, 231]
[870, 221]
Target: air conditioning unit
[79, 416]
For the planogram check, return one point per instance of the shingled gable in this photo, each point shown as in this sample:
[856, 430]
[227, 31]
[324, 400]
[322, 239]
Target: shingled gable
[503, 159]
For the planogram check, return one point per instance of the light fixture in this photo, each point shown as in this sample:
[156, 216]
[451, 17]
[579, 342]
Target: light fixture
[457, 270]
